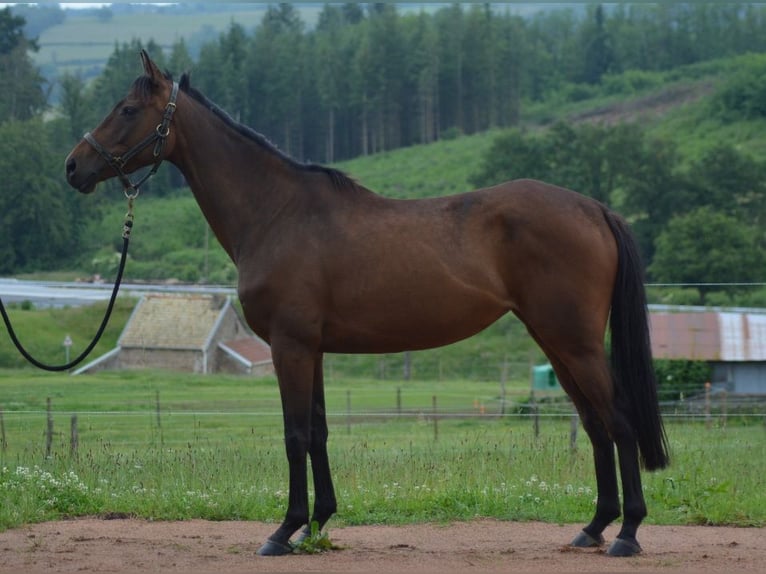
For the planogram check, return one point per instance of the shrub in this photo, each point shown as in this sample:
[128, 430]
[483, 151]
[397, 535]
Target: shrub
[744, 95]
[677, 378]
[631, 82]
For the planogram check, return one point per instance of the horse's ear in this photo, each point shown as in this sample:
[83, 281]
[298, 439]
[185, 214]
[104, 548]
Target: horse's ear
[150, 68]
[185, 82]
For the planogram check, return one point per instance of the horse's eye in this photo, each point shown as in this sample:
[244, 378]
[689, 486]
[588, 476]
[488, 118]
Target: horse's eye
[128, 111]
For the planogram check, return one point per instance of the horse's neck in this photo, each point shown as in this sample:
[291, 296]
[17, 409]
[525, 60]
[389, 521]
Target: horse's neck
[238, 183]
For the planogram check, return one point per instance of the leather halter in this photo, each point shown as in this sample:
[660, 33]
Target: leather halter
[157, 137]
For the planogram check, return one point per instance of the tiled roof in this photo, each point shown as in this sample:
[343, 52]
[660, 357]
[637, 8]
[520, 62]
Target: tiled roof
[177, 321]
[254, 350]
[709, 336]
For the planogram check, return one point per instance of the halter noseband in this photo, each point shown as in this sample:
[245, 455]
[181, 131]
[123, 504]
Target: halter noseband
[157, 137]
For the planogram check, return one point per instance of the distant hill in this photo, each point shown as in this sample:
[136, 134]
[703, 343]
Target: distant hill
[84, 40]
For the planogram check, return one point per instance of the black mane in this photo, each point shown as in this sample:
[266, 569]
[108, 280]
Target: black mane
[338, 178]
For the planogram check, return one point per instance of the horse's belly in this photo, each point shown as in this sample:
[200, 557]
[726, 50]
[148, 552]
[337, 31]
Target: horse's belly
[390, 325]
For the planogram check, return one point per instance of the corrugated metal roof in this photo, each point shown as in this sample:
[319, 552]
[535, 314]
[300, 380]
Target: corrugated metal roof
[709, 336]
[743, 337]
[174, 321]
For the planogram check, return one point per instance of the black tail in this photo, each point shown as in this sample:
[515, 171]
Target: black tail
[632, 368]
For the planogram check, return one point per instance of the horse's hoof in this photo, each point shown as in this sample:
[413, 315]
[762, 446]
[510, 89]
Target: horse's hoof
[273, 548]
[585, 540]
[622, 547]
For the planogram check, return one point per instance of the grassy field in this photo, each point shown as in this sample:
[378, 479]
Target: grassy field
[42, 331]
[84, 40]
[215, 451]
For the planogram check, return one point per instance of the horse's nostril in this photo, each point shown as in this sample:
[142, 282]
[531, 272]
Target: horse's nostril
[71, 166]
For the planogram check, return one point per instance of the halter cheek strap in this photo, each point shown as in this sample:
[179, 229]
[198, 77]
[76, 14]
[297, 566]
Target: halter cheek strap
[157, 137]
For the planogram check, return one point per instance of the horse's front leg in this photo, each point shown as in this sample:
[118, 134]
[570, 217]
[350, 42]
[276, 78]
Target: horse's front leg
[294, 365]
[325, 504]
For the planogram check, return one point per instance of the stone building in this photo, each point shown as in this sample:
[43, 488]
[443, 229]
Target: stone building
[196, 333]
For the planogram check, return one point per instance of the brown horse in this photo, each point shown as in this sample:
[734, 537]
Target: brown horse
[327, 266]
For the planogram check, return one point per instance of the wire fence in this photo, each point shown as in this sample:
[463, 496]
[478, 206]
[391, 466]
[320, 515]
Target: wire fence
[169, 425]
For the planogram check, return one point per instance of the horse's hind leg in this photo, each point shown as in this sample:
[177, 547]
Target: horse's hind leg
[607, 507]
[607, 502]
[580, 362]
[634, 505]
[587, 379]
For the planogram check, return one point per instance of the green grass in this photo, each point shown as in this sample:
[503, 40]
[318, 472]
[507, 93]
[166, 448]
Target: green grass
[216, 452]
[132, 392]
[695, 131]
[440, 168]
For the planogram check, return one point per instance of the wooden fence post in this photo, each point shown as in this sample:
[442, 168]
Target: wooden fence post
[574, 423]
[159, 417]
[399, 401]
[3, 442]
[436, 419]
[74, 437]
[348, 411]
[49, 429]
[503, 380]
[407, 366]
[708, 418]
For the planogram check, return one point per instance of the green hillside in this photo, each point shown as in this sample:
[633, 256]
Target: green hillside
[440, 168]
[672, 105]
[677, 106]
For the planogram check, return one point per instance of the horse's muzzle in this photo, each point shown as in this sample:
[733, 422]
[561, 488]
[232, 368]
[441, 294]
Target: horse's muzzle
[75, 179]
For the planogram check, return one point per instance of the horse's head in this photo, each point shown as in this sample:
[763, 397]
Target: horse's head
[136, 133]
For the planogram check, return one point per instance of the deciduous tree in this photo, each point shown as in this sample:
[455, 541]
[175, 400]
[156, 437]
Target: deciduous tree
[707, 246]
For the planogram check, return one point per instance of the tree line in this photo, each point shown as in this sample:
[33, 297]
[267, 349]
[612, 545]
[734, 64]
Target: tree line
[369, 78]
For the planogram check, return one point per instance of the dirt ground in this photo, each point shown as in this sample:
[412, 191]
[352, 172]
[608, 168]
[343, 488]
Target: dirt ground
[96, 545]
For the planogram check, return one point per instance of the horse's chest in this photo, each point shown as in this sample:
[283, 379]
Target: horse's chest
[280, 303]
[256, 307]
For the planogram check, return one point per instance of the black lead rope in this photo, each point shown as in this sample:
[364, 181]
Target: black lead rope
[126, 229]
